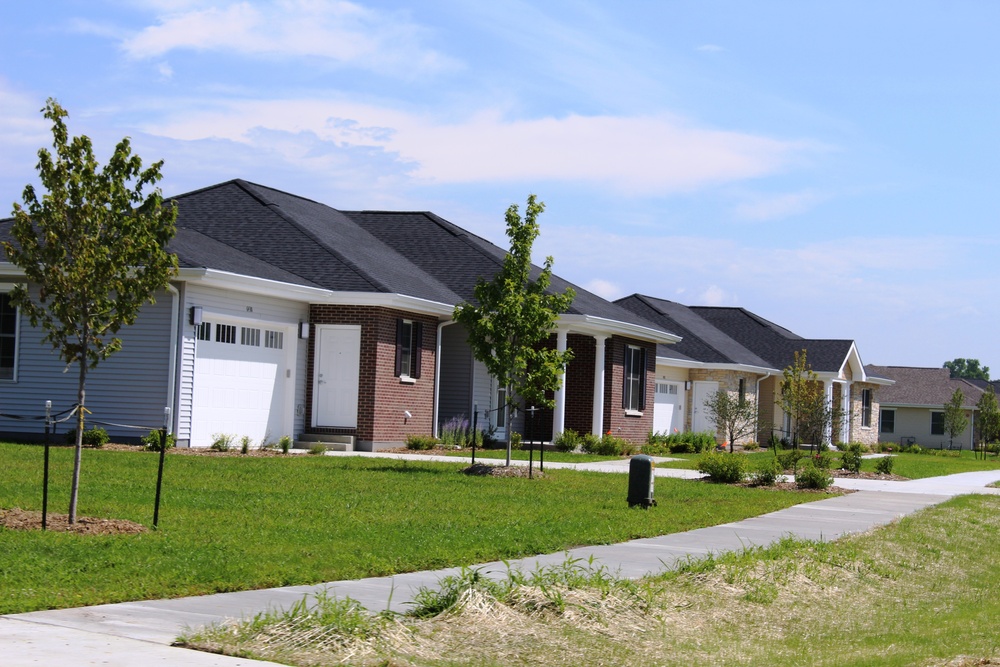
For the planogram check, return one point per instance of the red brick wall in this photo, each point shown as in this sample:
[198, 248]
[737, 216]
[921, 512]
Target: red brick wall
[382, 398]
[633, 428]
[580, 383]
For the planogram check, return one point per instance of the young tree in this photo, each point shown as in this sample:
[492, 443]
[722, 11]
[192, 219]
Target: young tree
[804, 400]
[513, 316]
[967, 368]
[988, 418]
[93, 251]
[735, 415]
[955, 421]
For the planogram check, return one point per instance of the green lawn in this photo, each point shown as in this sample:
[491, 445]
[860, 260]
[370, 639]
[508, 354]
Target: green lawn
[522, 455]
[234, 523]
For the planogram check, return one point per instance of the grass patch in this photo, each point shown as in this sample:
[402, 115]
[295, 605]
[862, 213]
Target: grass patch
[920, 466]
[921, 591]
[522, 455]
[237, 523]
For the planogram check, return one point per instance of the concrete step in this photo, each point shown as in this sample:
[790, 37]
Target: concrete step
[334, 443]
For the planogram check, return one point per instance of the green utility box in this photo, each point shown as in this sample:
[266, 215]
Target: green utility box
[640, 481]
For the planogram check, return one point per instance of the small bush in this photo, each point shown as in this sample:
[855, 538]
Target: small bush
[608, 445]
[151, 441]
[790, 460]
[884, 465]
[767, 474]
[851, 461]
[221, 442]
[811, 477]
[567, 441]
[912, 449]
[993, 448]
[680, 443]
[245, 443]
[725, 468]
[751, 446]
[823, 460]
[515, 440]
[656, 449]
[317, 449]
[95, 437]
[418, 442]
[285, 443]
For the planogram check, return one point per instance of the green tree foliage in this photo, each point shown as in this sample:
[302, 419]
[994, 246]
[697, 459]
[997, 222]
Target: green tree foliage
[736, 416]
[987, 418]
[968, 369]
[803, 398]
[514, 315]
[955, 420]
[93, 251]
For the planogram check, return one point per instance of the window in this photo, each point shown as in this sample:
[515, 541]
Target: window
[225, 333]
[866, 408]
[408, 337]
[501, 419]
[8, 337]
[743, 391]
[887, 421]
[937, 423]
[634, 391]
[274, 339]
[250, 336]
[203, 331]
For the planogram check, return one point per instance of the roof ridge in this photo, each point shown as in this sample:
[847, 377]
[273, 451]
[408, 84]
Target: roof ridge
[277, 210]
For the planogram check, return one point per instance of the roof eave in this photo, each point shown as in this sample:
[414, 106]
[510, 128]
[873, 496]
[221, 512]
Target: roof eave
[593, 325]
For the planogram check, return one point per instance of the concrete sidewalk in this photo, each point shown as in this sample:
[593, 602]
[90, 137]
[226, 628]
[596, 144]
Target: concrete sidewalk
[141, 632]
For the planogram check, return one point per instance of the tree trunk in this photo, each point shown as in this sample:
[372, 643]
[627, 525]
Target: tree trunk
[78, 454]
[506, 420]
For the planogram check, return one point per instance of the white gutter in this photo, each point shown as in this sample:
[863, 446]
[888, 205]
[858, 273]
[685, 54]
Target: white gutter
[437, 377]
[591, 325]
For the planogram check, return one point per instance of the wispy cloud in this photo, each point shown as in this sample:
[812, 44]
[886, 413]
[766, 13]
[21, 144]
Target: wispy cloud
[22, 131]
[710, 48]
[763, 208]
[647, 155]
[340, 32]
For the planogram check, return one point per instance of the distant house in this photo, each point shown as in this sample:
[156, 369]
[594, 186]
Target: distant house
[289, 317]
[743, 353]
[912, 409]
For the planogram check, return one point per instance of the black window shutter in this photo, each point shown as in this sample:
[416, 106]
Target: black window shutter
[626, 367]
[418, 346]
[399, 347]
[642, 380]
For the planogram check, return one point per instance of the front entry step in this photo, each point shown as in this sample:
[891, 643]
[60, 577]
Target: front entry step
[334, 443]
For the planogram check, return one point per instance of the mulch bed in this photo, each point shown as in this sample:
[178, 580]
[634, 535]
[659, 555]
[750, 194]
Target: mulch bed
[484, 470]
[18, 519]
[869, 475]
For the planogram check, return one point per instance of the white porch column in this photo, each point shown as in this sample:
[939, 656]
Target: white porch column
[559, 415]
[597, 425]
[845, 408]
[828, 394]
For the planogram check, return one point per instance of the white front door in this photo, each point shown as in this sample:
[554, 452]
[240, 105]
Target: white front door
[668, 408]
[335, 382]
[700, 421]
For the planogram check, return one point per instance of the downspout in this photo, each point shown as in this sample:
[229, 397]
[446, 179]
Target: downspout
[172, 382]
[437, 376]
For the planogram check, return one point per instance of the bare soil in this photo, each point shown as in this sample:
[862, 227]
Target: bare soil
[18, 519]
[483, 469]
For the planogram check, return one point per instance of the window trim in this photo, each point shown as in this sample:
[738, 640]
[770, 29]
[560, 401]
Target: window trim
[15, 336]
[634, 405]
[881, 420]
[415, 349]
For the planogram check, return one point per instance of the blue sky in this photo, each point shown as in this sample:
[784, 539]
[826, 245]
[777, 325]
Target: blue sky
[830, 166]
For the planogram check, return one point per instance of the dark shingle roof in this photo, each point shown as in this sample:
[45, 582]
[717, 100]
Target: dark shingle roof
[735, 335]
[932, 387]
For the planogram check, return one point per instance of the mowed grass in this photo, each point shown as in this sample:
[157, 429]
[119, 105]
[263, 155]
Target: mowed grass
[236, 523]
[523, 455]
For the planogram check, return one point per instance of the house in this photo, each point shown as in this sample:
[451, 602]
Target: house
[289, 317]
[743, 353]
[912, 409]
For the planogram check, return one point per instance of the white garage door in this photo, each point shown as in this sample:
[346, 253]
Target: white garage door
[668, 408]
[242, 379]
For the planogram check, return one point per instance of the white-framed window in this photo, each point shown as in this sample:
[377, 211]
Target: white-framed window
[8, 337]
[274, 339]
[887, 420]
[501, 416]
[866, 408]
[937, 423]
[225, 333]
[203, 331]
[634, 391]
[250, 336]
[409, 335]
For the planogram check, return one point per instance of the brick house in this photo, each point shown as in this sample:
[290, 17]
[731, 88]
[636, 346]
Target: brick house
[742, 353]
[289, 317]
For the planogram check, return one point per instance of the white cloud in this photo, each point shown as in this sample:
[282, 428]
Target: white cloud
[338, 31]
[715, 296]
[604, 288]
[760, 208]
[710, 48]
[23, 131]
[649, 155]
[165, 70]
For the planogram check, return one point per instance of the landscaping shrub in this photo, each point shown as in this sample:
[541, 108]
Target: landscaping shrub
[151, 441]
[285, 443]
[680, 443]
[884, 465]
[458, 432]
[811, 477]
[790, 460]
[317, 449]
[823, 460]
[751, 446]
[420, 442]
[95, 437]
[851, 461]
[767, 473]
[993, 448]
[567, 441]
[607, 445]
[221, 442]
[723, 467]
[912, 449]
[245, 443]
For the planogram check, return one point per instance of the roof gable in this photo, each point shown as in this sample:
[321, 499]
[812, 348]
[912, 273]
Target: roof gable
[931, 387]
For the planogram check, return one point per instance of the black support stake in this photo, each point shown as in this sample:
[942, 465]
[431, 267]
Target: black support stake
[159, 472]
[45, 474]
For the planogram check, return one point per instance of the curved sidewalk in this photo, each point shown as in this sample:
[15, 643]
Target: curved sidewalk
[141, 632]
